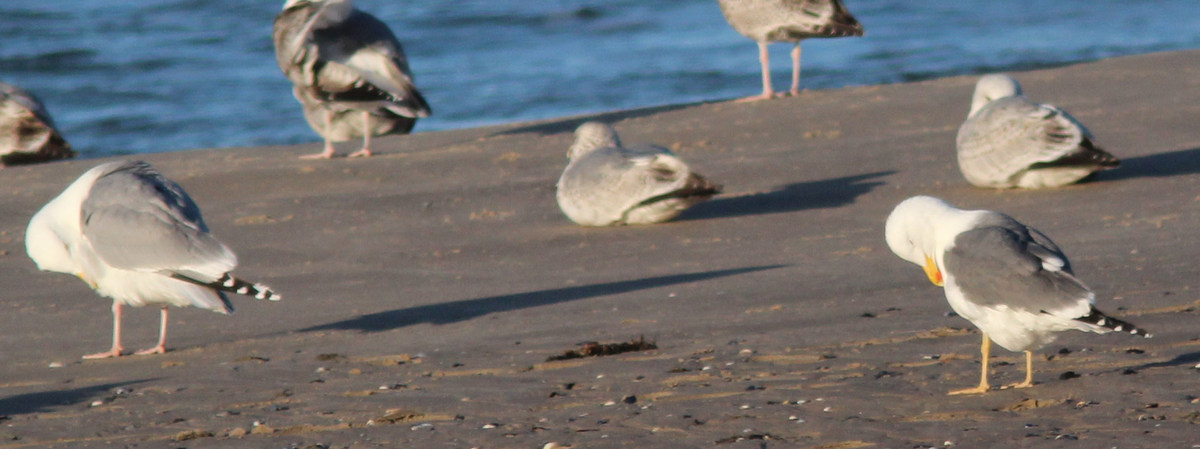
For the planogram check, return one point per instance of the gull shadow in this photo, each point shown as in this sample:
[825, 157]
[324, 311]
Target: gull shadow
[42, 401]
[789, 198]
[1191, 358]
[1174, 163]
[455, 311]
[569, 125]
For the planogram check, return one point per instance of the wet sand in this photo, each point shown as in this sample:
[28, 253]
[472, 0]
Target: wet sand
[425, 288]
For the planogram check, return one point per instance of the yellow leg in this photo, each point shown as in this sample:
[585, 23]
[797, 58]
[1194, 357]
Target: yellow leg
[1028, 372]
[986, 350]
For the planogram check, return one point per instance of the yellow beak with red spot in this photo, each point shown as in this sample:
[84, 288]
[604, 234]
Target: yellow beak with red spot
[931, 270]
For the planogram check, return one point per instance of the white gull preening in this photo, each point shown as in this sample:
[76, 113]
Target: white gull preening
[138, 238]
[1008, 279]
[1010, 141]
[27, 133]
[768, 21]
[607, 184]
[348, 71]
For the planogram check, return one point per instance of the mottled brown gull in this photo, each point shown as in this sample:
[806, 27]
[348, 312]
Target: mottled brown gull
[1008, 279]
[138, 238]
[768, 21]
[27, 133]
[349, 72]
[607, 184]
[1010, 141]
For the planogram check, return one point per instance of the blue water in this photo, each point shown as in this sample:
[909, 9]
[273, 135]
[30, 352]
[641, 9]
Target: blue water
[126, 77]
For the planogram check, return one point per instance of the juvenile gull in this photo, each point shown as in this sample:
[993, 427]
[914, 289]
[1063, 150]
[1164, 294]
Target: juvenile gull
[1008, 279]
[768, 21]
[348, 70]
[606, 184]
[27, 133]
[1010, 141]
[138, 238]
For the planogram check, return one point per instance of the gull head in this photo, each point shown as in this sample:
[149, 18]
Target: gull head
[590, 136]
[912, 233]
[993, 87]
[47, 249]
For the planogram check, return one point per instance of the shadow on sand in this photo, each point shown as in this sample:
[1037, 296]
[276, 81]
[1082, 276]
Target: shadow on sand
[1189, 359]
[569, 125]
[455, 311]
[789, 198]
[1174, 163]
[42, 401]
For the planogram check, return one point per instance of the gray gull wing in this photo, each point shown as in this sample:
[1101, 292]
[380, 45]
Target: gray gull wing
[136, 219]
[1011, 136]
[1002, 263]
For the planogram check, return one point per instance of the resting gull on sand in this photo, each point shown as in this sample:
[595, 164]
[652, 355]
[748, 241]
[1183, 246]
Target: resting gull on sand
[768, 21]
[1007, 279]
[606, 184]
[138, 238]
[27, 133]
[348, 70]
[1010, 141]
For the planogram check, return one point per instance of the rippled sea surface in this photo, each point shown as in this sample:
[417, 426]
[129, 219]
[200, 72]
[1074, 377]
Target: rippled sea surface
[128, 77]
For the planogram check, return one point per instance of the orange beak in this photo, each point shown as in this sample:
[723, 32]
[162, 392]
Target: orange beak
[931, 270]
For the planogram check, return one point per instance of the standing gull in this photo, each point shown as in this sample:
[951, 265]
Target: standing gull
[768, 21]
[1010, 141]
[606, 184]
[348, 70]
[27, 133]
[1007, 279]
[136, 237]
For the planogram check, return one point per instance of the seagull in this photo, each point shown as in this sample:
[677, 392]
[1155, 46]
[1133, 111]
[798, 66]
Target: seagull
[1006, 278]
[349, 73]
[138, 238]
[1011, 141]
[27, 133]
[606, 184]
[768, 21]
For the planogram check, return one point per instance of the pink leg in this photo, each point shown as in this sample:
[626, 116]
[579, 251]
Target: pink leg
[366, 149]
[162, 338]
[796, 69]
[328, 152]
[764, 58]
[116, 346]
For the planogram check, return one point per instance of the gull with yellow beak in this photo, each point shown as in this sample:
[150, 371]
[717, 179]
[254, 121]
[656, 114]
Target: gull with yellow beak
[1008, 279]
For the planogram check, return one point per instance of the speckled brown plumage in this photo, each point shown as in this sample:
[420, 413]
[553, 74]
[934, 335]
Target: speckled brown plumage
[768, 21]
[27, 133]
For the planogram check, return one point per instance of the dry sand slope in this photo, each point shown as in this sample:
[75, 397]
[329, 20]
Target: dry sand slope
[425, 288]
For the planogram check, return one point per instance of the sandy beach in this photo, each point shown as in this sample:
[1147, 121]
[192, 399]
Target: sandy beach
[425, 288]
